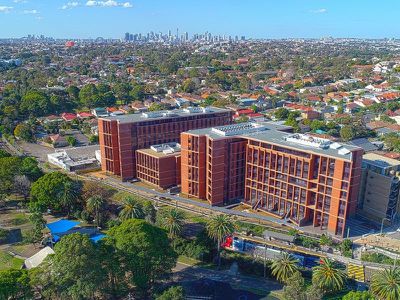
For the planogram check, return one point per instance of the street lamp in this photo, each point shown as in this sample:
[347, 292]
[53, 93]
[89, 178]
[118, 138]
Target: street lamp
[383, 219]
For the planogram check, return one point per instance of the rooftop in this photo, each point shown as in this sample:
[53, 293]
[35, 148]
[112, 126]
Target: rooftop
[263, 131]
[162, 150]
[166, 114]
[380, 160]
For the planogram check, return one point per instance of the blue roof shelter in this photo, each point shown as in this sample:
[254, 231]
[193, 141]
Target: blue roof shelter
[98, 237]
[61, 226]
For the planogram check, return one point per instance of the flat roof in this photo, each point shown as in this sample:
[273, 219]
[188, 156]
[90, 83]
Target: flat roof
[162, 150]
[166, 114]
[265, 132]
[380, 160]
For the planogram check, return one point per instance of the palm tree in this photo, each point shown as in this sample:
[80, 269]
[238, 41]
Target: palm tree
[68, 194]
[173, 221]
[385, 285]
[218, 228]
[96, 204]
[285, 267]
[328, 277]
[133, 209]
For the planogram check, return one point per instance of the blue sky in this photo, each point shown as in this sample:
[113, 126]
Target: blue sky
[253, 18]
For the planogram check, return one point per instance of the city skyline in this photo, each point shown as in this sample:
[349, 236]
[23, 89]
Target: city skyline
[261, 19]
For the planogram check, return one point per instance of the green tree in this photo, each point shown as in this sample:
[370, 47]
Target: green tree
[71, 140]
[188, 86]
[30, 168]
[23, 132]
[69, 195]
[14, 284]
[347, 133]
[156, 106]
[149, 212]
[173, 221]
[385, 285]
[173, 293]
[295, 288]
[218, 228]
[38, 222]
[328, 277]
[281, 113]
[145, 251]
[89, 96]
[74, 269]
[45, 191]
[96, 205]
[358, 295]
[284, 267]
[4, 153]
[137, 92]
[9, 168]
[35, 103]
[132, 209]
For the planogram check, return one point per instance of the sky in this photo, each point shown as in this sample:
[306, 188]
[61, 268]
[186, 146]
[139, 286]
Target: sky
[252, 18]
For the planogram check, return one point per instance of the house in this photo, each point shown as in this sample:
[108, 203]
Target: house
[68, 117]
[100, 112]
[84, 115]
[58, 140]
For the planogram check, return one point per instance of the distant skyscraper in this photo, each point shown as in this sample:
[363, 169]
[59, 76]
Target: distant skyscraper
[127, 36]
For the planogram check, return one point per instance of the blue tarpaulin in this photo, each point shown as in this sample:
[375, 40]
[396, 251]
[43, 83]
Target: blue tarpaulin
[61, 226]
[98, 237]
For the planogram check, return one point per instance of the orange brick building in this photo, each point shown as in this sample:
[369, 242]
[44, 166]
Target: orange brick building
[121, 136]
[298, 178]
[159, 165]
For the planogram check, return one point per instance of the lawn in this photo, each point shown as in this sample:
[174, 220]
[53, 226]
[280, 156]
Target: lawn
[7, 261]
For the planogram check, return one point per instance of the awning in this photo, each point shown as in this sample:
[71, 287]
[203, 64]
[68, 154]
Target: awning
[61, 226]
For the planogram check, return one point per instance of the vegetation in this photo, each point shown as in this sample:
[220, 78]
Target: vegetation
[385, 285]
[219, 227]
[284, 267]
[328, 277]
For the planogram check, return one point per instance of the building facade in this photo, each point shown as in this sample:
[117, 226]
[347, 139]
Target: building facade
[159, 165]
[379, 189]
[121, 136]
[294, 177]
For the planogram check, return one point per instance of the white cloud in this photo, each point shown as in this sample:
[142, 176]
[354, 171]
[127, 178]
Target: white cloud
[70, 5]
[30, 12]
[5, 9]
[108, 3]
[320, 11]
[20, 1]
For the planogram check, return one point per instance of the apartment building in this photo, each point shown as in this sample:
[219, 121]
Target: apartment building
[379, 189]
[121, 136]
[159, 165]
[294, 177]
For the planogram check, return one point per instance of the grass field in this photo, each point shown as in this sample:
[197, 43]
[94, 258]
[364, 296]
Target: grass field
[7, 261]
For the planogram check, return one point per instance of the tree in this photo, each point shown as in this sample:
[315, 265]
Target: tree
[358, 295]
[4, 153]
[137, 92]
[281, 113]
[173, 221]
[71, 140]
[23, 132]
[156, 106]
[90, 189]
[96, 205]
[74, 269]
[22, 185]
[133, 209]
[385, 285]
[347, 133]
[14, 284]
[173, 293]
[30, 168]
[328, 277]
[145, 252]
[218, 228]
[314, 292]
[38, 222]
[9, 168]
[89, 96]
[35, 103]
[295, 288]
[188, 86]
[45, 191]
[69, 195]
[149, 212]
[285, 267]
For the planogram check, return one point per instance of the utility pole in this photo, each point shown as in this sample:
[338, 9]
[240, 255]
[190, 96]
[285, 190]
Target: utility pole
[265, 257]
